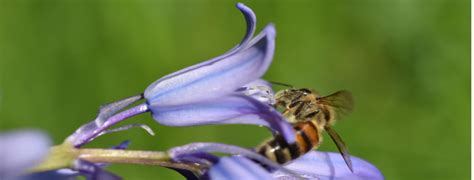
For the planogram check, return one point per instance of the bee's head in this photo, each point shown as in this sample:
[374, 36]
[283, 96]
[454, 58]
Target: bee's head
[287, 96]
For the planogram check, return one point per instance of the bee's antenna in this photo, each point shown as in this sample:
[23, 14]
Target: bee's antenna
[281, 84]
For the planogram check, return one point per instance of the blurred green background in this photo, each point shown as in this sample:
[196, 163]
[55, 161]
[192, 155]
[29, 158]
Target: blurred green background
[407, 63]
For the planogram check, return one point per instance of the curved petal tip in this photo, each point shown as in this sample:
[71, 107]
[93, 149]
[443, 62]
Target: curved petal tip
[270, 30]
[328, 165]
[248, 13]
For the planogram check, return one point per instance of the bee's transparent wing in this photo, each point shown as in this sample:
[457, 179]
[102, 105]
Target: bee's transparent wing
[341, 102]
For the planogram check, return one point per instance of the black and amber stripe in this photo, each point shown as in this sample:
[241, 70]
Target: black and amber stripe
[278, 150]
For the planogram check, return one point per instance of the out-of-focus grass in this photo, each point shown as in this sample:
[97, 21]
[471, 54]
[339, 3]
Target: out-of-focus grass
[406, 62]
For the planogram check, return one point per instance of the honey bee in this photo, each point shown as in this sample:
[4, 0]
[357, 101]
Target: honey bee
[311, 115]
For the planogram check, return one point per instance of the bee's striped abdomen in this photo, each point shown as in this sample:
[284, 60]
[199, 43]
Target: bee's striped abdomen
[276, 149]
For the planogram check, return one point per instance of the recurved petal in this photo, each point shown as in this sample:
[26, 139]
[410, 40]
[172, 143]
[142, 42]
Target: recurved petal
[231, 109]
[331, 166]
[21, 150]
[215, 78]
[182, 153]
[236, 167]
[250, 20]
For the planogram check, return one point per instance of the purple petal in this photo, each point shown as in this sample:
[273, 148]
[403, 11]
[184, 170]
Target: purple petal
[122, 145]
[108, 115]
[108, 110]
[182, 152]
[203, 159]
[214, 78]
[237, 168]
[328, 165]
[93, 171]
[260, 90]
[235, 109]
[21, 150]
[250, 19]
[92, 130]
[251, 22]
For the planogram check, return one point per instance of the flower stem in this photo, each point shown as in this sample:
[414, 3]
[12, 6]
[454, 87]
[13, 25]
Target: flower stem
[63, 156]
[60, 156]
[155, 158]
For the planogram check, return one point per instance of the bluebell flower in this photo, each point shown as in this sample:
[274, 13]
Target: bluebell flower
[314, 165]
[224, 90]
[21, 150]
[209, 92]
[246, 164]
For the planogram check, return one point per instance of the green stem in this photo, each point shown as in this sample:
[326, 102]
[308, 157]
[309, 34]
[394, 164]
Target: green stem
[63, 156]
[60, 156]
[155, 158]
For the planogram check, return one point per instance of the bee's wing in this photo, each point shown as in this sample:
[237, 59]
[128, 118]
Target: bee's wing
[341, 102]
[341, 146]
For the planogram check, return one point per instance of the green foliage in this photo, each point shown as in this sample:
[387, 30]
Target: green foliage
[406, 62]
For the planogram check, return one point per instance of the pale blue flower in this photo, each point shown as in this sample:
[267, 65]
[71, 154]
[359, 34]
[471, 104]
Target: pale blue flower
[24, 149]
[246, 164]
[209, 92]
[224, 90]
[21, 150]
